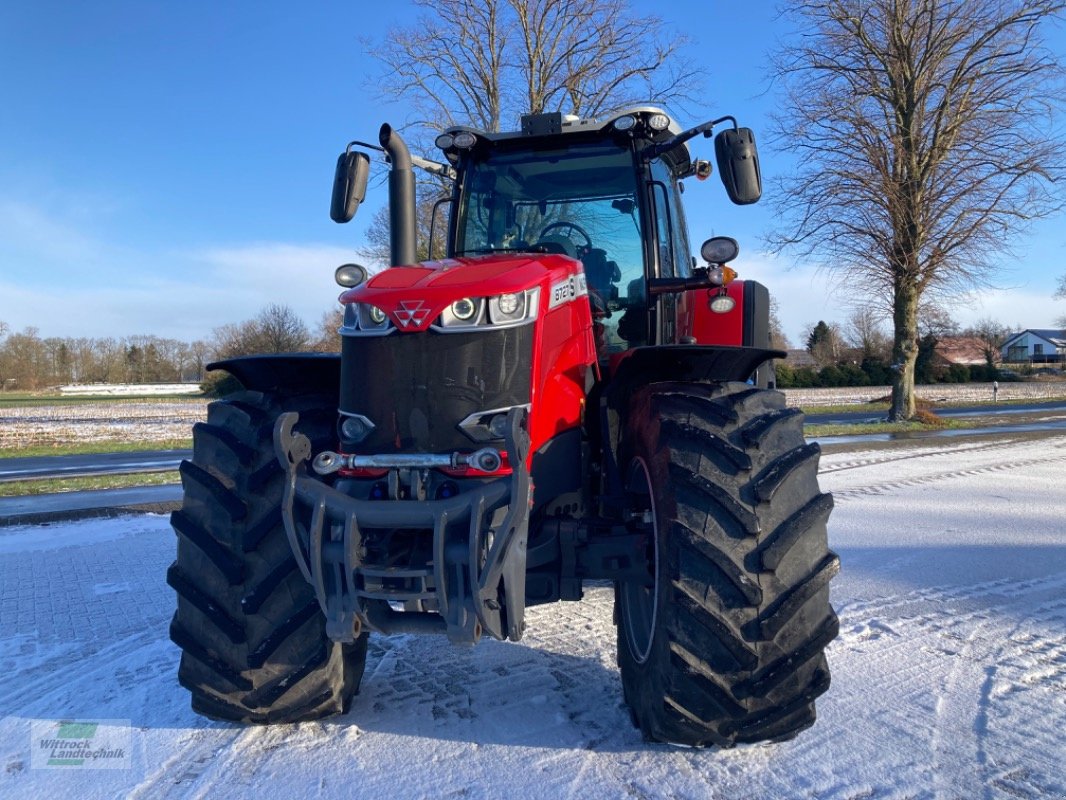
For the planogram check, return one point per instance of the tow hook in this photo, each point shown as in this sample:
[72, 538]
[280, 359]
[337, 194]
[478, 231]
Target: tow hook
[487, 459]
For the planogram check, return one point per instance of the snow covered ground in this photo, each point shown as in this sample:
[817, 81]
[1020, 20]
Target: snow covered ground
[949, 677]
[116, 420]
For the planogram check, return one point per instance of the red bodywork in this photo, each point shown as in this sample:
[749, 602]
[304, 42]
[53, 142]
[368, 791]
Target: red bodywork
[696, 319]
[563, 348]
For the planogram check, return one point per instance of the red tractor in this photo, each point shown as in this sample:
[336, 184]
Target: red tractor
[566, 397]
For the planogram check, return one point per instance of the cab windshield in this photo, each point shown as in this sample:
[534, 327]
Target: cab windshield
[580, 202]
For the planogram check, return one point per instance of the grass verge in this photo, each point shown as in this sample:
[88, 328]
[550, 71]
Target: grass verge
[56, 485]
[14, 400]
[83, 448]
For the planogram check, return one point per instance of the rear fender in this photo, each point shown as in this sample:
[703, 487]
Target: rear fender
[286, 373]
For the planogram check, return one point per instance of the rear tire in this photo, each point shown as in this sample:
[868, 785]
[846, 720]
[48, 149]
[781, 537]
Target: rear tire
[254, 647]
[726, 643]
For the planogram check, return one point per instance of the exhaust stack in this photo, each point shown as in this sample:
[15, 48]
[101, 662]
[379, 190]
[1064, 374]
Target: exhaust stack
[401, 197]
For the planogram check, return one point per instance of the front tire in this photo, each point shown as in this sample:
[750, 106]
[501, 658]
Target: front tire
[725, 642]
[253, 640]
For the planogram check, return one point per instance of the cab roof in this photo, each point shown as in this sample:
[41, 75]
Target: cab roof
[637, 126]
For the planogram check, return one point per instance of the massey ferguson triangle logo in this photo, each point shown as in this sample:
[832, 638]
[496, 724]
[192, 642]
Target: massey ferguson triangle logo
[410, 312]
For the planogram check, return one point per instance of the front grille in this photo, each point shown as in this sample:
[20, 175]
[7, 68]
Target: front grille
[417, 387]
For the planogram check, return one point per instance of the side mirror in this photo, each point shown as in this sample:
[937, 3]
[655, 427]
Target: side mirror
[738, 164]
[349, 185]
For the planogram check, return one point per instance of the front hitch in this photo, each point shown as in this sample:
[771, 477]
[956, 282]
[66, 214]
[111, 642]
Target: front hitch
[476, 577]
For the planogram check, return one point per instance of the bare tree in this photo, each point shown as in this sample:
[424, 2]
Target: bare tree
[925, 136]
[778, 337]
[1060, 293]
[326, 338]
[864, 331]
[275, 329]
[378, 249]
[199, 353]
[486, 62]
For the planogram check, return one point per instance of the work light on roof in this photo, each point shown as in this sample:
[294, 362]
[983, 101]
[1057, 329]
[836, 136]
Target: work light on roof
[625, 123]
[464, 140]
[658, 122]
[444, 141]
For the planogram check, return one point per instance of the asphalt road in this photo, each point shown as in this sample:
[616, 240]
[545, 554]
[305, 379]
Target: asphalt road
[82, 465]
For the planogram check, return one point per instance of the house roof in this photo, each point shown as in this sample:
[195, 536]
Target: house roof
[962, 350]
[1051, 335]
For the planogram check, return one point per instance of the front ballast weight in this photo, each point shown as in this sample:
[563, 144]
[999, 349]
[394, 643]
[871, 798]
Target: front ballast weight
[473, 578]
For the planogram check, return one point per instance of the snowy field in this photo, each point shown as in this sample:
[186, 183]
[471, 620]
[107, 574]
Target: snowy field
[949, 677]
[943, 393]
[116, 420]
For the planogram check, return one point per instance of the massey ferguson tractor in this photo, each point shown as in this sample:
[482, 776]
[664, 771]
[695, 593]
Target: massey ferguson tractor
[567, 396]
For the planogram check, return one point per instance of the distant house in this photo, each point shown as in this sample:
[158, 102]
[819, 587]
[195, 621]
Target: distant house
[800, 358]
[966, 350]
[1034, 346]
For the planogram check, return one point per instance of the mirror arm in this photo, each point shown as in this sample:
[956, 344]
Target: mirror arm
[351, 144]
[434, 168]
[707, 129]
[701, 279]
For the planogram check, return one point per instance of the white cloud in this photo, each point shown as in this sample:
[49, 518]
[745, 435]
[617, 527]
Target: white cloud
[179, 295]
[804, 294]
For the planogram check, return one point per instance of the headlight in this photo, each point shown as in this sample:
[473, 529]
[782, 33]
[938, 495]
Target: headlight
[485, 313]
[464, 310]
[465, 313]
[365, 319]
[721, 304]
[507, 307]
[372, 318]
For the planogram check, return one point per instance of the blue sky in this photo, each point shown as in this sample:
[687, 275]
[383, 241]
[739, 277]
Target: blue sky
[165, 167]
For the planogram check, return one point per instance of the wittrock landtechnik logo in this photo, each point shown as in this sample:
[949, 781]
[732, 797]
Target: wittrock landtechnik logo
[81, 744]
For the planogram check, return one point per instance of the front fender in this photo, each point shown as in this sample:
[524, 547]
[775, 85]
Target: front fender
[644, 365]
[289, 373]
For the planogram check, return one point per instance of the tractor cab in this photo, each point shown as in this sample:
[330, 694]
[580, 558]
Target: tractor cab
[604, 192]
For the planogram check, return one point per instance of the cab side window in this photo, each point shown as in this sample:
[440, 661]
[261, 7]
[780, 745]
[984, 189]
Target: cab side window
[675, 259]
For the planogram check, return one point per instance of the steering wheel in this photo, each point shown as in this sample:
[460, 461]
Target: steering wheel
[570, 227]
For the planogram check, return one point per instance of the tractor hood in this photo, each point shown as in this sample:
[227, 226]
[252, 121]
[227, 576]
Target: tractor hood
[413, 296]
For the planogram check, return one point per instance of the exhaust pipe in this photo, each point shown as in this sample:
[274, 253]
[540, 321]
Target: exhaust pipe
[401, 197]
